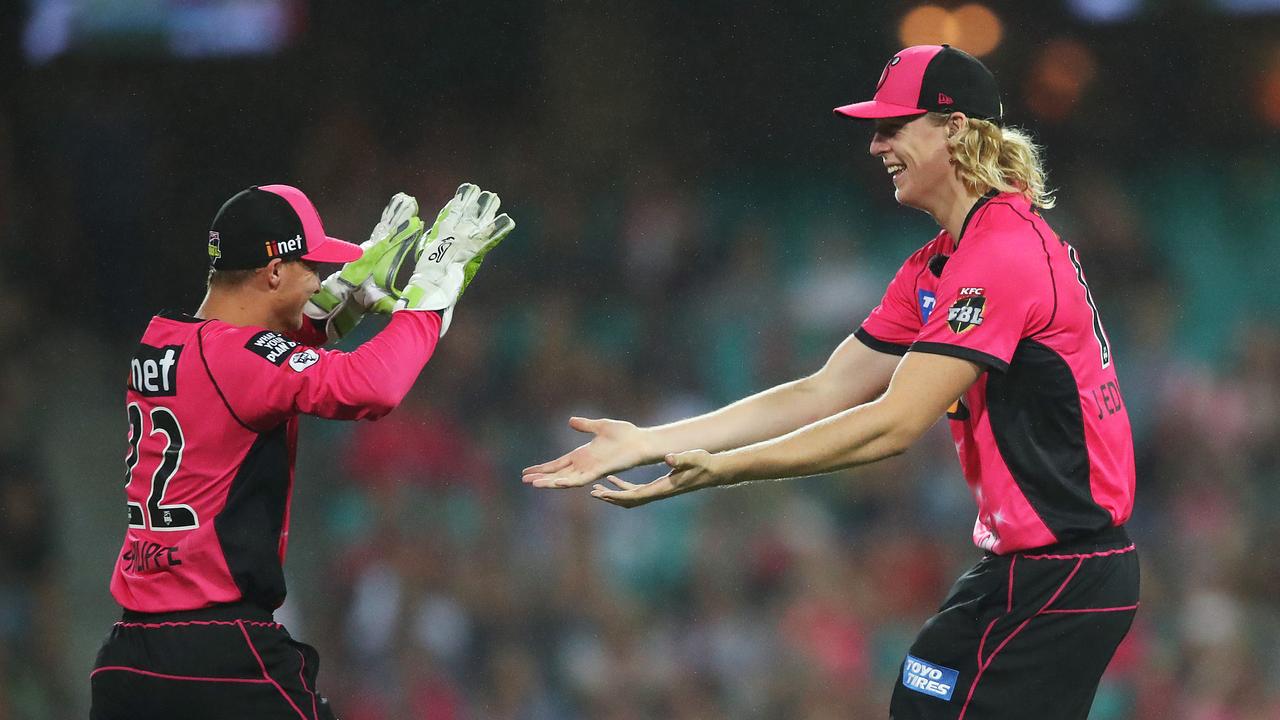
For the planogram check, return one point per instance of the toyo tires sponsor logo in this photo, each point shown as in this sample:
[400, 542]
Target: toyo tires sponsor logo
[929, 679]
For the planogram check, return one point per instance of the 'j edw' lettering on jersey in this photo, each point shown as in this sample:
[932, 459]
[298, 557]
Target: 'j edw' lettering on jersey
[212, 425]
[1043, 436]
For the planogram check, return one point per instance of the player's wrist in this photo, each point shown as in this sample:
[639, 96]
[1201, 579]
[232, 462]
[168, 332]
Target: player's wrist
[726, 468]
[649, 446]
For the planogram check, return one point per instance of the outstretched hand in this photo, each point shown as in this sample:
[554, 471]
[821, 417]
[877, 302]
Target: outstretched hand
[690, 471]
[617, 446]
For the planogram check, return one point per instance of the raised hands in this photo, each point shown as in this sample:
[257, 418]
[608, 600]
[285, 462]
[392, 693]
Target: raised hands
[692, 470]
[617, 446]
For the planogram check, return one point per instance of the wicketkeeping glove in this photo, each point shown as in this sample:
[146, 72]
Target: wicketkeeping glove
[392, 247]
[453, 250]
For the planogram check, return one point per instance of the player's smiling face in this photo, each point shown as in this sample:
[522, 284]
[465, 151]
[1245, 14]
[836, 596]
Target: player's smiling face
[914, 152]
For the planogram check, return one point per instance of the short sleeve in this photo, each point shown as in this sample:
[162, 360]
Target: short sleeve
[990, 297]
[893, 325]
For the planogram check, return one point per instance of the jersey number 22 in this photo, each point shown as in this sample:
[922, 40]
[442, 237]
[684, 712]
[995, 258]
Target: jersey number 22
[156, 515]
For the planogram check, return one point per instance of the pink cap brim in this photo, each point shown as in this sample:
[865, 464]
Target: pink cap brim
[875, 109]
[333, 250]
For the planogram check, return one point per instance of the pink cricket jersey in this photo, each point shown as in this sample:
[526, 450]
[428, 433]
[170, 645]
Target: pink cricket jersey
[213, 418]
[1043, 435]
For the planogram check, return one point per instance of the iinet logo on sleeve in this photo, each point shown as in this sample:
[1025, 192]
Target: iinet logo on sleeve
[925, 677]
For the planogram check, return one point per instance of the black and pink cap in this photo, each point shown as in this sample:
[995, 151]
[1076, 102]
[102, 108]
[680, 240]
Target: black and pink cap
[266, 222]
[932, 78]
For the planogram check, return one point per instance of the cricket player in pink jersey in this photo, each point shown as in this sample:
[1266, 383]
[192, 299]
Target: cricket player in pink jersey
[992, 324]
[212, 403]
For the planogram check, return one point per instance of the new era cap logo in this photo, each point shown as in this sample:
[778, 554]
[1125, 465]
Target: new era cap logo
[945, 99]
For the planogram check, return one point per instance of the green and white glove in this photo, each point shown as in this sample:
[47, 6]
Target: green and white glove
[452, 251]
[392, 247]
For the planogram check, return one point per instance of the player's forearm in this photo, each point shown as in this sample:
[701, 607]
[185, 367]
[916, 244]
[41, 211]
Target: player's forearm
[762, 416]
[857, 436]
[373, 379]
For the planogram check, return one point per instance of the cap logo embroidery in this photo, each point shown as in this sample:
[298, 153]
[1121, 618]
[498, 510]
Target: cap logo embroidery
[281, 247]
[945, 99]
[884, 74]
[215, 245]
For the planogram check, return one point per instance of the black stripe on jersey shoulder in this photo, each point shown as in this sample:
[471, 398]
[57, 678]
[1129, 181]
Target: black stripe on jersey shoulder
[203, 359]
[964, 353]
[1048, 261]
[982, 201]
[879, 345]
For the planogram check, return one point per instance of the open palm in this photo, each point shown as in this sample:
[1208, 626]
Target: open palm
[617, 446]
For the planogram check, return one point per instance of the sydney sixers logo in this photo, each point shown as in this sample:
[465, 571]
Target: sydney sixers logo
[884, 75]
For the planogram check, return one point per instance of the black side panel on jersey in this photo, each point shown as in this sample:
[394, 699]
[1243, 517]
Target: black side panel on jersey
[250, 524]
[1039, 428]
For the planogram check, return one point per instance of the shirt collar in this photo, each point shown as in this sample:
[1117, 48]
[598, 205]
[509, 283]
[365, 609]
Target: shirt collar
[972, 211]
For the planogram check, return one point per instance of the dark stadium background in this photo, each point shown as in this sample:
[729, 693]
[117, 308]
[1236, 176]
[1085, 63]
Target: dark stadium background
[694, 225]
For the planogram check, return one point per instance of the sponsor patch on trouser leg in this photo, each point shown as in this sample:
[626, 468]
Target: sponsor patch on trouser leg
[929, 679]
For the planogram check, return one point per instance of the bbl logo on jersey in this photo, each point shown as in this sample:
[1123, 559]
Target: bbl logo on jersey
[967, 312]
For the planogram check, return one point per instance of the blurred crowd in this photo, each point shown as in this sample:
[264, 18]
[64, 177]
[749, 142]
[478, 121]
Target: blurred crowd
[652, 276]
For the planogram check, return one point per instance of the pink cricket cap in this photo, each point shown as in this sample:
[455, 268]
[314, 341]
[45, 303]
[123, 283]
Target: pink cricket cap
[270, 221]
[931, 78]
[319, 246]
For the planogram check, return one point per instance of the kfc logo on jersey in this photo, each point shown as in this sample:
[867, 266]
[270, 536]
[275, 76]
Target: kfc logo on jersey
[966, 313]
[153, 372]
[272, 346]
[304, 359]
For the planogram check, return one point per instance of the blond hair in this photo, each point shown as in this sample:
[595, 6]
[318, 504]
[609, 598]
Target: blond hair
[1005, 159]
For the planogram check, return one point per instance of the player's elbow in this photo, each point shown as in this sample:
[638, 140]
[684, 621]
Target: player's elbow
[382, 402]
[901, 428]
[896, 442]
[374, 401]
